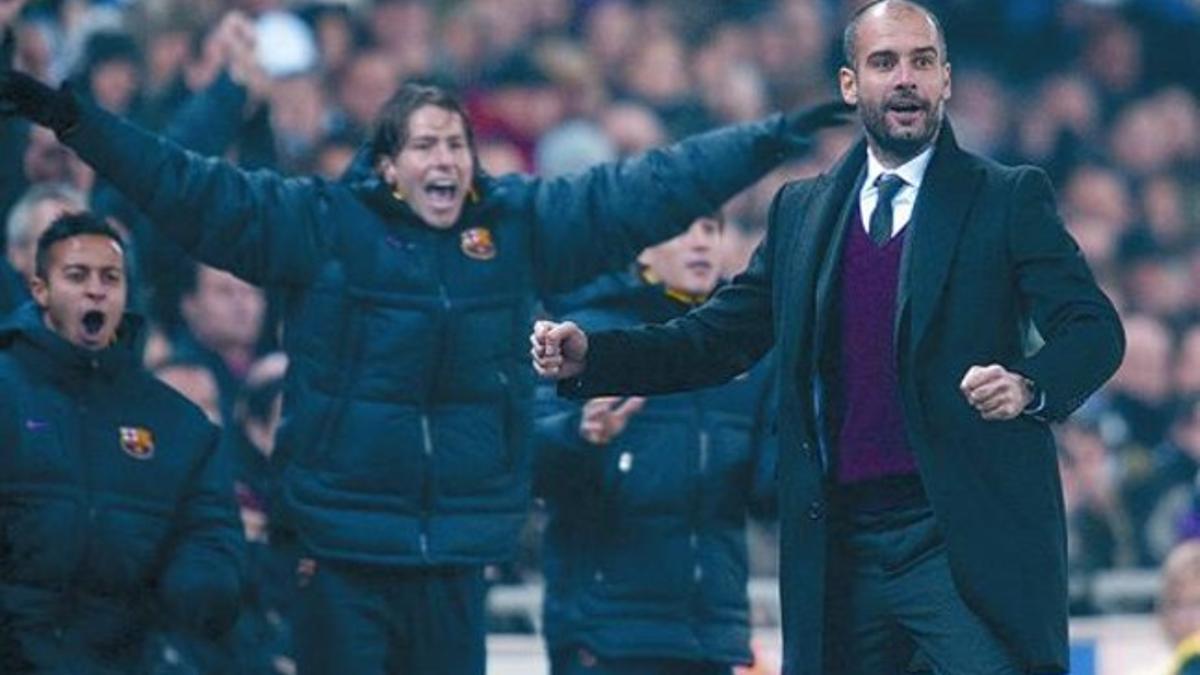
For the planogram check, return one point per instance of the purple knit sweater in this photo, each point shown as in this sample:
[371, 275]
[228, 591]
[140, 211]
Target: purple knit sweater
[871, 442]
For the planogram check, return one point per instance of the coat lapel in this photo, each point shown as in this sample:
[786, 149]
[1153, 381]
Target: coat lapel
[823, 250]
[939, 216]
[837, 200]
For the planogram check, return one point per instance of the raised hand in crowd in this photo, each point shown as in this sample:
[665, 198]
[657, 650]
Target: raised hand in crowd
[237, 42]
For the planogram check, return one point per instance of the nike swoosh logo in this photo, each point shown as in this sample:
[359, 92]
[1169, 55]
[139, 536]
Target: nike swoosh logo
[36, 425]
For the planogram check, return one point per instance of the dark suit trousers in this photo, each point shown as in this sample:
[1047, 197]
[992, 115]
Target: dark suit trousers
[892, 607]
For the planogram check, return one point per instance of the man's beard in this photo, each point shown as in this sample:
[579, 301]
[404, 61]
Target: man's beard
[901, 147]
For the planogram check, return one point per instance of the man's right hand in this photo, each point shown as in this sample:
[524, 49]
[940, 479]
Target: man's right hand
[802, 126]
[559, 349]
[22, 95]
[808, 121]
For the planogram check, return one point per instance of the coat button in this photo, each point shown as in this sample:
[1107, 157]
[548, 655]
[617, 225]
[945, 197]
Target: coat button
[816, 510]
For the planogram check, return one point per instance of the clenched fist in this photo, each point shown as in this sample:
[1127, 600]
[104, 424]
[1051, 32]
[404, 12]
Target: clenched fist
[559, 349]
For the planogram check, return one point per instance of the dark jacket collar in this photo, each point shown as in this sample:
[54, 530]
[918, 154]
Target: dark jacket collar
[360, 177]
[25, 333]
[379, 197]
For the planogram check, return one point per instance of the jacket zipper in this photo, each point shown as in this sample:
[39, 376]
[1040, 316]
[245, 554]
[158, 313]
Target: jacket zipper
[83, 413]
[426, 486]
[428, 449]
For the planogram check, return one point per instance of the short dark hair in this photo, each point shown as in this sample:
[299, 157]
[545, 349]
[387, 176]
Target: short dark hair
[850, 35]
[68, 226]
[391, 126]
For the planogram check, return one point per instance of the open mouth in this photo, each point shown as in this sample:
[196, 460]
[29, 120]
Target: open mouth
[906, 110]
[442, 193]
[700, 266]
[93, 322]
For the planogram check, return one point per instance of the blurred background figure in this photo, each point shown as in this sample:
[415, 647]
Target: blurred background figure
[262, 636]
[646, 558]
[41, 204]
[196, 383]
[223, 318]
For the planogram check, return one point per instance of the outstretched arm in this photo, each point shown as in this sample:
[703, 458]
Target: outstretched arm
[709, 345]
[259, 226]
[598, 220]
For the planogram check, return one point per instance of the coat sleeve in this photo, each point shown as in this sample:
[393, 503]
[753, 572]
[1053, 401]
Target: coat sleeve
[717, 341]
[259, 226]
[1084, 341]
[200, 587]
[599, 220]
[764, 487]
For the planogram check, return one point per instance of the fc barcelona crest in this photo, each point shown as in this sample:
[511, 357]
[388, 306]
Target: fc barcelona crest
[137, 442]
[477, 243]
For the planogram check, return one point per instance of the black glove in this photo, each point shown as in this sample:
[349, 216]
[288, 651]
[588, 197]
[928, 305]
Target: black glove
[21, 95]
[803, 125]
[808, 121]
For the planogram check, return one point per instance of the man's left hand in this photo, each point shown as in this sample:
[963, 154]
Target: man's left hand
[995, 392]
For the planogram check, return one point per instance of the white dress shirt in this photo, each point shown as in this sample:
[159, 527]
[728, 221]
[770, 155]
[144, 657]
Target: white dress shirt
[912, 171]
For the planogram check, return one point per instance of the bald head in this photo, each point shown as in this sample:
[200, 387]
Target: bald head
[890, 8]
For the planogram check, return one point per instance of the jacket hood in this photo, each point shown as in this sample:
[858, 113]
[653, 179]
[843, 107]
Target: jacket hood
[25, 330]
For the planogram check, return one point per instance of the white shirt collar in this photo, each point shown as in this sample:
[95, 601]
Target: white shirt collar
[912, 171]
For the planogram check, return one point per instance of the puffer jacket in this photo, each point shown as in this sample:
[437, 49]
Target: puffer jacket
[407, 407]
[645, 548]
[116, 510]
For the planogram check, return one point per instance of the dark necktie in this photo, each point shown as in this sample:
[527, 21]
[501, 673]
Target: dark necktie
[881, 220]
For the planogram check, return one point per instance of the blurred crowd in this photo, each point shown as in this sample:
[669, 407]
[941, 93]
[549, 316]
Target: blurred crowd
[1102, 94]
